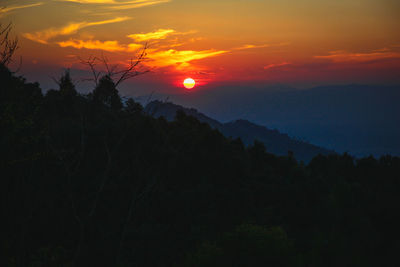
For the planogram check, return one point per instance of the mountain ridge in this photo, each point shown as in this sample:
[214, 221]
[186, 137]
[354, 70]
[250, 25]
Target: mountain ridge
[275, 142]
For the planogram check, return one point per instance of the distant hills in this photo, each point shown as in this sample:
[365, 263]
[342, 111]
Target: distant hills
[359, 119]
[274, 141]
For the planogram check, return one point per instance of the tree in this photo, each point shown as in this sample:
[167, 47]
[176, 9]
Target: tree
[114, 72]
[107, 93]
[67, 88]
[133, 107]
[8, 45]
[106, 81]
[247, 245]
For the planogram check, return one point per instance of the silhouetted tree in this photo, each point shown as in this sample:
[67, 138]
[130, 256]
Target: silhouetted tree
[67, 87]
[115, 72]
[133, 107]
[247, 245]
[107, 94]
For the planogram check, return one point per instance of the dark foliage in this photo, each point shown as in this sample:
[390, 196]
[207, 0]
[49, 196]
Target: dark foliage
[86, 181]
[106, 93]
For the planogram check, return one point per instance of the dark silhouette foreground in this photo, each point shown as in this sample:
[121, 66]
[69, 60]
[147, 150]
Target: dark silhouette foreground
[88, 181]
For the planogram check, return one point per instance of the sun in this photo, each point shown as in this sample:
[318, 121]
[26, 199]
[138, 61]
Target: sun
[189, 83]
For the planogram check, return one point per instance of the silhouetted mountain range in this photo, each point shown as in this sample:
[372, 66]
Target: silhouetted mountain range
[274, 141]
[362, 120]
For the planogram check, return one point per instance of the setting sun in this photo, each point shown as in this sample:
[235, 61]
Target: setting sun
[189, 83]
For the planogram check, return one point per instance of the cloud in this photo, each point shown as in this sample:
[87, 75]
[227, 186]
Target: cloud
[343, 56]
[93, 1]
[179, 59]
[119, 5]
[107, 2]
[250, 46]
[4, 10]
[138, 5]
[155, 58]
[111, 46]
[270, 66]
[45, 35]
[157, 35]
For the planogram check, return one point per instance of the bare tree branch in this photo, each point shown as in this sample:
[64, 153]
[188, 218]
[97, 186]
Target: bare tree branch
[113, 71]
[132, 71]
[8, 45]
[91, 63]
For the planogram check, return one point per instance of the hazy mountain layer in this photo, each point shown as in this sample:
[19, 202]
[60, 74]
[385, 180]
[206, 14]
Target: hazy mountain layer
[275, 142]
[362, 120]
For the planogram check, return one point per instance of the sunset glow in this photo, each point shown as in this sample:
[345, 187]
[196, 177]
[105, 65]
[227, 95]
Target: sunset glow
[304, 42]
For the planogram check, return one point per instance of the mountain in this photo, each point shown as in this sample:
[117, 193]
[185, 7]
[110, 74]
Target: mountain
[359, 119]
[274, 141]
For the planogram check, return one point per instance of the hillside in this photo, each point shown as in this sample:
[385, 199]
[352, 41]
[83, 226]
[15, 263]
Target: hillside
[274, 141]
[359, 119]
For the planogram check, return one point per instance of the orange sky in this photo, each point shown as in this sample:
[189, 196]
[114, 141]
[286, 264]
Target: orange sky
[259, 41]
